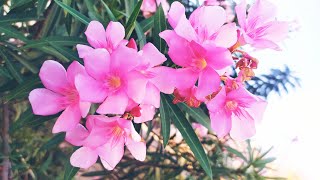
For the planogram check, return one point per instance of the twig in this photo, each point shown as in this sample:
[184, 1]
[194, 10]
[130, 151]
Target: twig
[5, 135]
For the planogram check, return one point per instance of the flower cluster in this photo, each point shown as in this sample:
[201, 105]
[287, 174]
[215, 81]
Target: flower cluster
[125, 83]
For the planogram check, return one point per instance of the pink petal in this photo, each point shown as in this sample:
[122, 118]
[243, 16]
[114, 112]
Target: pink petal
[114, 104]
[83, 50]
[226, 36]
[152, 96]
[243, 126]
[161, 80]
[185, 30]
[277, 31]
[241, 11]
[179, 49]
[74, 69]
[218, 102]
[84, 108]
[120, 61]
[208, 19]
[218, 58]
[83, 158]
[176, 12]
[99, 135]
[147, 113]
[53, 76]
[115, 34]
[261, 12]
[87, 86]
[220, 122]
[45, 102]
[152, 55]
[209, 82]
[137, 149]
[96, 35]
[185, 78]
[77, 135]
[97, 63]
[242, 96]
[263, 44]
[67, 120]
[257, 109]
[111, 156]
[136, 86]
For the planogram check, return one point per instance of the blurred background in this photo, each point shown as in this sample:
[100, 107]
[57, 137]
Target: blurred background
[286, 143]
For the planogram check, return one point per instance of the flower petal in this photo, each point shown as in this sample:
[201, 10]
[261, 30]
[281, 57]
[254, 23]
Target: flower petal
[67, 120]
[185, 78]
[209, 82]
[83, 158]
[226, 36]
[45, 102]
[136, 86]
[137, 149]
[97, 63]
[111, 156]
[74, 69]
[243, 126]
[161, 80]
[84, 108]
[147, 113]
[83, 50]
[77, 135]
[261, 12]
[53, 76]
[87, 86]
[218, 102]
[124, 59]
[152, 96]
[114, 104]
[96, 35]
[152, 55]
[115, 34]
[176, 12]
[220, 122]
[241, 11]
[218, 57]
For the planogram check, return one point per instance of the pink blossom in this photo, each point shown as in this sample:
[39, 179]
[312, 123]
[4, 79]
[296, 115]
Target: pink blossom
[59, 94]
[104, 137]
[260, 28]
[149, 7]
[98, 37]
[199, 45]
[212, 2]
[200, 130]
[236, 112]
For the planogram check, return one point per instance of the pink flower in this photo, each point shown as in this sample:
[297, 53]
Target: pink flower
[59, 94]
[260, 28]
[112, 79]
[200, 130]
[212, 2]
[140, 113]
[149, 7]
[98, 37]
[199, 45]
[187, 96]
[104, 137]
[236, 112]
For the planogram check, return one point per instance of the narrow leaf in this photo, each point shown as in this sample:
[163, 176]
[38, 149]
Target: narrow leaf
[197, 114]
[25, 16]
[165, 120]
[41, 6]
[141, 37]
[147, 24]
[159, 26]
[189, 135]
[132, 19]
[69, 171]
[109, 12]
[85, 20]
[13, 71]
[12, 32]
[58, 40]
[53, 142]
[237, 153]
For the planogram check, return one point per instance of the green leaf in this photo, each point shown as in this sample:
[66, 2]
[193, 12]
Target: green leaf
[147, 24]
[41, 6]
[70, 171]
[141, 37]
[197, 114]
[57, 40]
[13, 70]
[53, 142]
[96, 173]
[85, 20]
[67, 52]
[12, 32]
[160, 25]
[54, 52]
[23, 89]
[109, 12]
[4, 72]
[25, 62]
[132, 19]
[17, 3]
[263, 162]
[189, 135]
[165, 120]
[237, 153]
[25, 16]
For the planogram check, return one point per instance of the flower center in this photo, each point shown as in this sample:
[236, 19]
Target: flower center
[231, 105]
[201, 63]
[114, 82]
[117, 131]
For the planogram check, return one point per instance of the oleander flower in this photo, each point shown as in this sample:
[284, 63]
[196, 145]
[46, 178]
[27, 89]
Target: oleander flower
[149, 7]
[260, 28]
[98, 37]
[104, 137]
[200, 46]
[59, 94]
[235, 111]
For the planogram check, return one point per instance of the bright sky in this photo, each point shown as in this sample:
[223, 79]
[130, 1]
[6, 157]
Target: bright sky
[295, 116]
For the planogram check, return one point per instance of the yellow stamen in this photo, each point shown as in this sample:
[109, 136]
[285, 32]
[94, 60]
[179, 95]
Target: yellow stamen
[201, 63]
[231, 105]
[114, 81]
